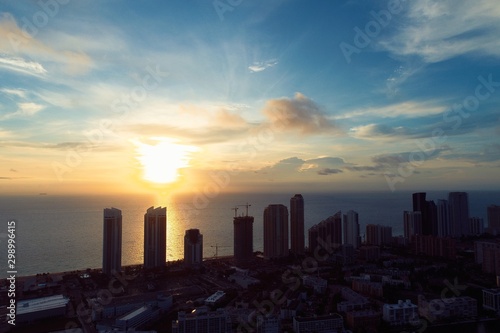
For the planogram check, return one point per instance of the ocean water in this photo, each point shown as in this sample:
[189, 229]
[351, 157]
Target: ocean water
[64, 233]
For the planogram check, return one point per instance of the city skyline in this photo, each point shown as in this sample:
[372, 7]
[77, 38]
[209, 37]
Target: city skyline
[250, 97]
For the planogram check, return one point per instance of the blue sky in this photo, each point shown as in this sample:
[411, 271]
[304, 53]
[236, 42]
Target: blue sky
[249, 95]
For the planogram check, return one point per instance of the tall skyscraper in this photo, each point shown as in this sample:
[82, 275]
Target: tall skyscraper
[443, 221]
[243, 239]
[351, 229]
[429, 213]
[459, 213]
[193, 249]
[476, 225]
[112, 241]
[494, 218]
[327, 233]
[275, 231]
[378, 234]
[155, 237]
[419, 202]
[412, 224]
[297, 224]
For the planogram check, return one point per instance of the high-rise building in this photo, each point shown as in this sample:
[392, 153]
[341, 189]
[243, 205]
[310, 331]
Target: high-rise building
[412, 224]
[112, 241]
[297, 224]
[243, 239]
[327, 233]
[275, 231]
[419, 202]
[351, 229]
[428, 210]
[443, 221]
[476, 225]
[378, 234]
[459, 213]
[494, 218]
[193, 249]
[431, 218]
[155, 237]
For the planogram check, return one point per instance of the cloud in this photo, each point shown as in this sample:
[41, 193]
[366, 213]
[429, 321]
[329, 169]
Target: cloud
[328, 171]
[408, 109]
[261, 66]
[436, 31]
[24, 110]
[15, 92]
[297, 114]
[22, 66]
[18, 45]
[291, 166]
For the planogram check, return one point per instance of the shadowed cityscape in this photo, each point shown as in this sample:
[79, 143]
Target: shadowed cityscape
[443, 271]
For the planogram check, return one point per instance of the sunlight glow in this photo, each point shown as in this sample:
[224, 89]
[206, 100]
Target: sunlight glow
[162, 161]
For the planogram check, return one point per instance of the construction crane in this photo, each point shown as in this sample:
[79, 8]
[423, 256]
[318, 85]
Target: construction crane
[217, 249]
[235, 208]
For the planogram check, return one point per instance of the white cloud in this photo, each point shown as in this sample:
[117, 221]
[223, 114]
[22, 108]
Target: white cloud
[15, 92]
[24, 110]
[408, 109]
[262, 65]
[436, 31]
[23, 66]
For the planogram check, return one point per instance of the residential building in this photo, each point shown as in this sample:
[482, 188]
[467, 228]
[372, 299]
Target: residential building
[440, 309]
[402, 313]
[275, 231]
[193, 249]
[297, 224]
[412, 224]
[351, 229]
[319, 324]
[243, 239]
[459, 213]
[491, 300]
[112, 241]
[201, 320]
[155, 237]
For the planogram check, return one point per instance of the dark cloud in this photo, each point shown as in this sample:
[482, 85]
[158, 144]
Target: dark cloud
[297, 114]
[328, 171]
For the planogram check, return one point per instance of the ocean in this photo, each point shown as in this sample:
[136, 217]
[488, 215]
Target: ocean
[64, 233]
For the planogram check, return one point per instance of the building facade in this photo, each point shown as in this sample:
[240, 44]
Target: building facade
[297, 224]
[243, 239]
[155, 237]
[193, 249]
[275, 231]
[112, 241]
[459, 213]
[351, 229]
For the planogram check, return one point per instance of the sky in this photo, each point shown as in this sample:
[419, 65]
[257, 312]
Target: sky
[238, 95]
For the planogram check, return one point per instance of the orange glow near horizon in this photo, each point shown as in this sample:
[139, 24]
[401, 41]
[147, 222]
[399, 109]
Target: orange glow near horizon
[162, 161]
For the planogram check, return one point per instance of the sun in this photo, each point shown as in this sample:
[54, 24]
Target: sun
[162, 160]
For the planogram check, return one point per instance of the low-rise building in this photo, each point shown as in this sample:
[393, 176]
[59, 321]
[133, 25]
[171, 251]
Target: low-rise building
[491, 300]
[41, 308]
[448, 308]
[402, 313]
[318, 284]
[202, 320]
[353, 301]
[216, 298]
[268, 324]
[320, 324]
[367, 320]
